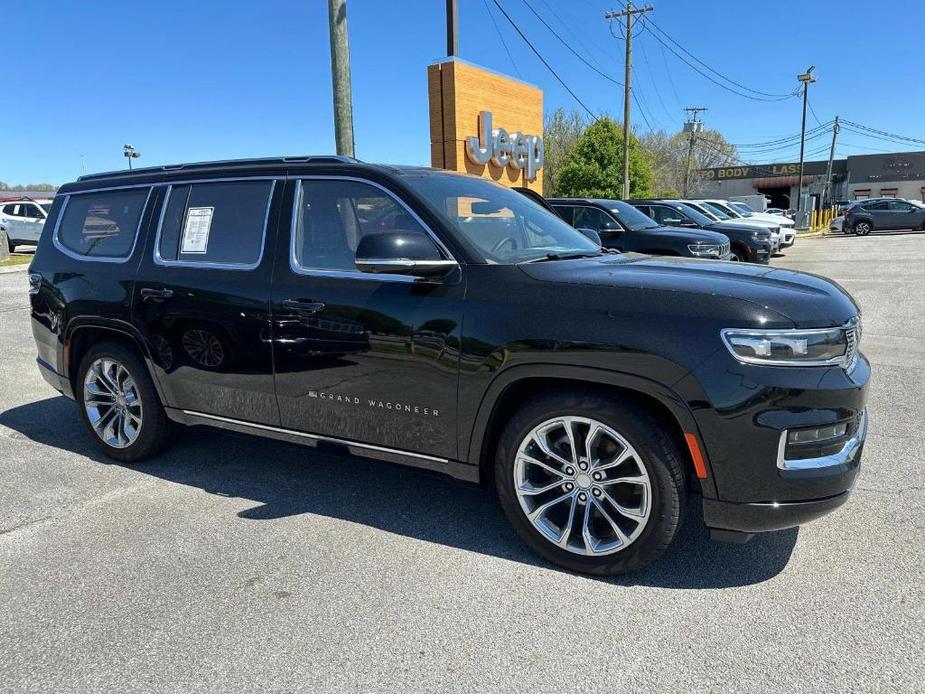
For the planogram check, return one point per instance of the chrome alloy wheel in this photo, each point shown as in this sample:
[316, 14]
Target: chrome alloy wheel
[582, 486]
[112, 403]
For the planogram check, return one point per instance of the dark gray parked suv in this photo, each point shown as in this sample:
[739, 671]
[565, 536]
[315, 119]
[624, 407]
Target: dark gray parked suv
[884, 213]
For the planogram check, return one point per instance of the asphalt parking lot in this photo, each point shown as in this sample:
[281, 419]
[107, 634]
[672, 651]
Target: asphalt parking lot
[238, 564]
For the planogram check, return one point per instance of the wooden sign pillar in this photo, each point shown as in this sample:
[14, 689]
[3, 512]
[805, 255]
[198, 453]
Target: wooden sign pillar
[466, 104]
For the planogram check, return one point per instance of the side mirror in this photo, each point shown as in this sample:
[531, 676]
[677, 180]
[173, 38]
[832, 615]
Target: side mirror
[591, 234]
[402, 253]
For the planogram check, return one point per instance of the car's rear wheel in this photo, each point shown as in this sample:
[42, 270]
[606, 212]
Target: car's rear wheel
[119, 404]
[862, 228]
[590, 483]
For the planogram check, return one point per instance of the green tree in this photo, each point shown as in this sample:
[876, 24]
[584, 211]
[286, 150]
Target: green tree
[595, 166]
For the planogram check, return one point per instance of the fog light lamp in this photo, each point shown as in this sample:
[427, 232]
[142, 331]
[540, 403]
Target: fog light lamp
[832, 431]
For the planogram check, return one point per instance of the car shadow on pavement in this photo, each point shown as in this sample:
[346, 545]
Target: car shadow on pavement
[286, 480]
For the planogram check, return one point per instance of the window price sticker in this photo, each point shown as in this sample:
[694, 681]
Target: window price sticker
[196, 230]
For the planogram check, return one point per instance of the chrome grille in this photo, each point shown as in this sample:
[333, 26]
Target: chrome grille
[723, 249]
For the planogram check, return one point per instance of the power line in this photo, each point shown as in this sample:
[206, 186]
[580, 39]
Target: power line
[770, 97]
[658, 95]
[709, 77]
[674, 89]
[569, 47]
[574, 36]
[884, 133]
[543, 60]
[491, 16]
[781, 140]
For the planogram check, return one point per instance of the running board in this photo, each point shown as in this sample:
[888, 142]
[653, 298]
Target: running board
[457, 470]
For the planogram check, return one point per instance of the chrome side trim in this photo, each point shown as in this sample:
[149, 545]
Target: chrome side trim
[352, 274]
[842, 457]
[317, 437]
[202, 264]
[99, 258]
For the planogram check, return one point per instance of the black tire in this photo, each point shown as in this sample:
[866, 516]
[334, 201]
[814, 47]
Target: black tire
[656, 449]
[862, 228]
[156, 430]
[9, 242]
[741, 254]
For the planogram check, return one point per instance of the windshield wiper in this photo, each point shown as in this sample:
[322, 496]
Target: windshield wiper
[562, 256]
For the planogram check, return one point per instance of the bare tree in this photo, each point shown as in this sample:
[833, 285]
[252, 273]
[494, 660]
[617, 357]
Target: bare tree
[668, 155]
[561, 131]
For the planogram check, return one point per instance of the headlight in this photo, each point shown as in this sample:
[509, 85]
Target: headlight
[710, 250]
[761, 235]
[819, 347]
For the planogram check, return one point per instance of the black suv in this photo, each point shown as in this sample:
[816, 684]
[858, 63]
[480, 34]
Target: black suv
[443, 321]
[624, 228]
[883, 213]
[749, 243]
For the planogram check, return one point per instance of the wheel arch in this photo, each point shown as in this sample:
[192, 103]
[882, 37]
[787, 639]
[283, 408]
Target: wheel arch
[83, 333]
[522, 382]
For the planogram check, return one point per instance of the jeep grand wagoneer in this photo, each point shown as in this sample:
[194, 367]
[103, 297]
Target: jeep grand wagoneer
[443, 321]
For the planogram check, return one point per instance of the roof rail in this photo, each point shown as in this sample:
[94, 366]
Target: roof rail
[305, 159]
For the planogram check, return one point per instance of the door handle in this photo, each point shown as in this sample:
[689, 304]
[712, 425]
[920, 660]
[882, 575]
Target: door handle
[303, 306]
[151, 294]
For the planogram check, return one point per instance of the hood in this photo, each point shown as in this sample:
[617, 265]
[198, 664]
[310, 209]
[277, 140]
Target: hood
[751, 224]
[809, 301]
[687, 235]
[734, 231]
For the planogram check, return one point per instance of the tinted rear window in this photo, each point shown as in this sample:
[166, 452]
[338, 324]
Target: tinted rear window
[215, 223]
[104, 224]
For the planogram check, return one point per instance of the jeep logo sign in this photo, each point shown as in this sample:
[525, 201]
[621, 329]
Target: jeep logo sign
[519, 151]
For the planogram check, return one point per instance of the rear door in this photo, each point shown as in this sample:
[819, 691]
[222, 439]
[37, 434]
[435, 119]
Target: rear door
[33, 221]
[880, 214]
[202, 297]
[360, 357]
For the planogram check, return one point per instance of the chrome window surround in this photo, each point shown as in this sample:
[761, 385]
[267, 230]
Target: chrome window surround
[846, 360]
[70, 253]
[842, 457]
[203, 264]
[353, 274]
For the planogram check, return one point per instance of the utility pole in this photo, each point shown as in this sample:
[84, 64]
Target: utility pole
[340, 77]
[628, 13]
[691, 126]
[806, 78]
[452, 38]
[828, 172]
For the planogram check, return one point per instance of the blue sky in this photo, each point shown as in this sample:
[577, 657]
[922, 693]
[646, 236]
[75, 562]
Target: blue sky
[187, 81]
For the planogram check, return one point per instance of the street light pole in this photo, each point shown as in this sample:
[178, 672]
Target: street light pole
[806, 78]
[128, 151]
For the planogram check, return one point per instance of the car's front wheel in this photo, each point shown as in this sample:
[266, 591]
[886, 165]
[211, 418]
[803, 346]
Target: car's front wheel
[119, 404]
[862, 228]
[589, 482]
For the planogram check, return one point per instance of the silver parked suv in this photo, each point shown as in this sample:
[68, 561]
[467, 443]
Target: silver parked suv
[884, 213]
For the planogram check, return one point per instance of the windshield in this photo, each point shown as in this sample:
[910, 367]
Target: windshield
[696, 215]
[742, 209]
[916, 203]
[715, 209]
[630, 217]
[46, 206]
[698, 206]
[501, 224]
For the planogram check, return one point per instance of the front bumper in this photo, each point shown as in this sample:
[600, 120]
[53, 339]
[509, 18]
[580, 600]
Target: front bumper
[787, 237]
[739, 522]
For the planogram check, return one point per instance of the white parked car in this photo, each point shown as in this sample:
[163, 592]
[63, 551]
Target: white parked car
[720, 215]
[23, 219]
[787, 232]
